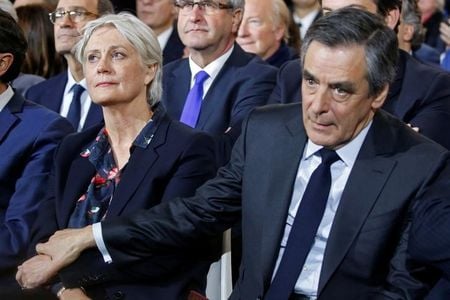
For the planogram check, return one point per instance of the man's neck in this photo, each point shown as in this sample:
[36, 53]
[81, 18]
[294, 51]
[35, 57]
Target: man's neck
[75, 67]
[303, 11]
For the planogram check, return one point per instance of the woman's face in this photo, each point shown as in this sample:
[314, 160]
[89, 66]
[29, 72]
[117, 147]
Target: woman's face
[114, 71]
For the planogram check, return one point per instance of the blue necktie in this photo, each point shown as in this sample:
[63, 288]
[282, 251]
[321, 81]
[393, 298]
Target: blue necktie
[445, 64]
[191, 109]
[304, 229]
[74, 113]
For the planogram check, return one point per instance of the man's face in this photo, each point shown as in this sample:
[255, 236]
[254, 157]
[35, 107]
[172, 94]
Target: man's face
[258, 33]
[204, 32]
[67, 32]
[336, 103]
[330, 5]
[157, 14]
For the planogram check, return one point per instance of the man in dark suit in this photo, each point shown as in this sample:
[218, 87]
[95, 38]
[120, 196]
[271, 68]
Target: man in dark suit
[160, 16]
[29, 135]
[237, 81]
[57, 93]
[350, 252]
[419, 95]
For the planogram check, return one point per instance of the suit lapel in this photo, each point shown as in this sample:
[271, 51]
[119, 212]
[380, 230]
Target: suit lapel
[216, 92]
[358, 196]
[7, 115]
[176, 96]
[139, 165]
[81, 172]
[284, 163]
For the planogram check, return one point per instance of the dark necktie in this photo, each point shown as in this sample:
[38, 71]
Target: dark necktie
[304, 229]
[74, 113]
[191, 109]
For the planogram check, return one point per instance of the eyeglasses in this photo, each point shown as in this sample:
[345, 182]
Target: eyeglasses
[208, 7]
[75, 16]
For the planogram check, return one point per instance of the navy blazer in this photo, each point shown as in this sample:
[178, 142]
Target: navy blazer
[243, 83]
[419, 95]
[175, 163]
[29, 134]
[174, 48]
[50, 92]
[258, 184]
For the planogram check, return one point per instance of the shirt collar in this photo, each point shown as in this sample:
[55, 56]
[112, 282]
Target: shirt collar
[71, 81]
[212, 68]
[6, 96]
[348, 153]
[164, 36]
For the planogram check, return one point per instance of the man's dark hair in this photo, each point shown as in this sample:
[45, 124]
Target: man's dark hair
[12, 40]
[350, 26]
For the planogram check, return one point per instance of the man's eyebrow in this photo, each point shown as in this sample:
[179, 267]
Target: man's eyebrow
[308, 75]
[345, 85]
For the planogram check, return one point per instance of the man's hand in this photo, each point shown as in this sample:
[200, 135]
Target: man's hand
[65, 246]
[444, 28]
[73, 294]
[36, 271]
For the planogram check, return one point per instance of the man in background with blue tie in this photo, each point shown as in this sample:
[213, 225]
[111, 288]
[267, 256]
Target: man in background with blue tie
[323, 186]
[66, 93]
[219, 84]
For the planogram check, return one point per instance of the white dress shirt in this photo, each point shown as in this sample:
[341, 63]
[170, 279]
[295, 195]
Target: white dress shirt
[308, 281]
[5, 97]
[85, 99]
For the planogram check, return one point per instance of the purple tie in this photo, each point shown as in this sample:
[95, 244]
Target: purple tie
[191, 109]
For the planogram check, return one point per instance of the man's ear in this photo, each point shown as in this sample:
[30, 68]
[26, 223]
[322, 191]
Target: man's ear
[6, 60]
[392, 18]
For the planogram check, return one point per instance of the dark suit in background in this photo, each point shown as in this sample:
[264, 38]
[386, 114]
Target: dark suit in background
[244, 82]
[50, 93]
[29, 135]
[175, 163]
[368, 222]
[174, 49]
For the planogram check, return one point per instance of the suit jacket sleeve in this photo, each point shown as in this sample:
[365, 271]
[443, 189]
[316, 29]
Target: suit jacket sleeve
[30, 190]
[178, 224]
[253, 91]
[194, 167]
[434, 113]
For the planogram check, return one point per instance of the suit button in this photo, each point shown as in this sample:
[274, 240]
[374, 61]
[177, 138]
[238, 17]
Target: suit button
[118, 295]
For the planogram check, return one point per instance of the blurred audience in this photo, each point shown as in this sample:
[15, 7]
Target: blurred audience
[160, 16]
[305, 12]
[41, 58]
[264, 31]
[432, 17]
[66, 92]
[411, 34]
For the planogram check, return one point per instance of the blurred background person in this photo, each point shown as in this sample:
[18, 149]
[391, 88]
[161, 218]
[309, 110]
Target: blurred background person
[66, 92]
[137, 159]
[304, 12]
[41, 58]
[411, 34]
[29, 135]
[51, 3]
[160, 16]
[264, 30]
[432, 17]
[24, 80]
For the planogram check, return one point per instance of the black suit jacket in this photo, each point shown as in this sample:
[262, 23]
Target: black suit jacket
[174, 164]
[392, 167]
[419, 95]
[49, 93]
[243, 83]
[174, 48]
